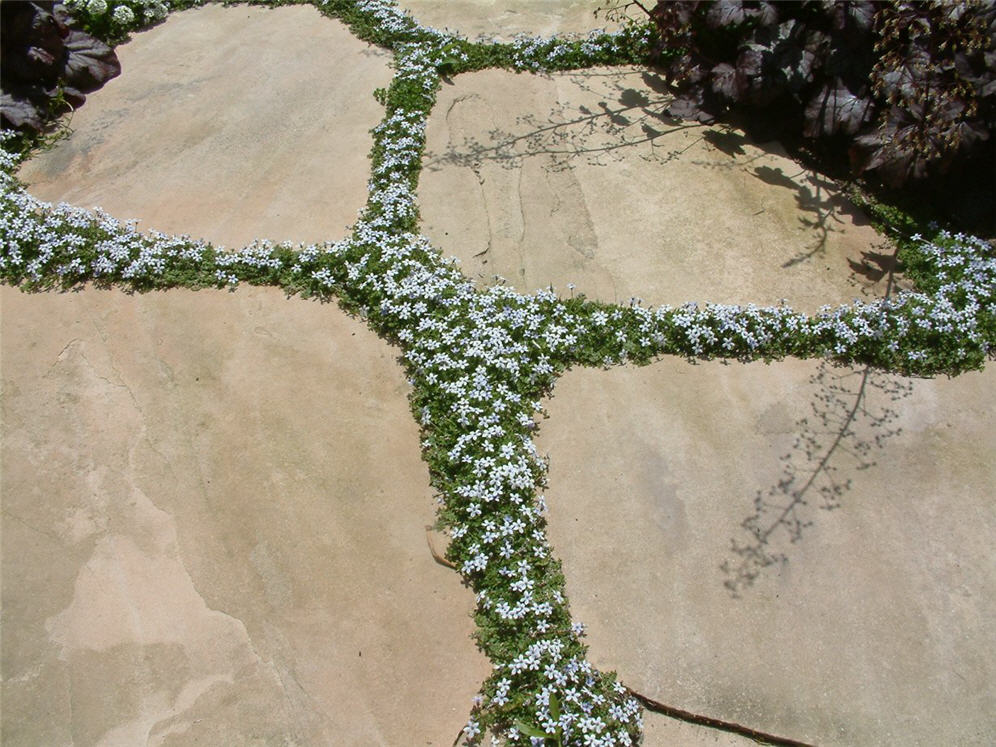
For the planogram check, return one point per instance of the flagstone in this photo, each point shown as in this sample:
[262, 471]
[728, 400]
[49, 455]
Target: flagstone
[213, 529]
[213, 502]
[579, 178]
[878, 626]
[503, 19]
[230, 124]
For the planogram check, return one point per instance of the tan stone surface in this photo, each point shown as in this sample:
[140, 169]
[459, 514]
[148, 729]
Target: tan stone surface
[503, 19]
[878, 629]
[575, 177]
[213, 529]
[662, 730]
[228, 124]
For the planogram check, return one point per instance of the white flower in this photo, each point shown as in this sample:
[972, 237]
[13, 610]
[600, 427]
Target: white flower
[472, 729]
[123, 15]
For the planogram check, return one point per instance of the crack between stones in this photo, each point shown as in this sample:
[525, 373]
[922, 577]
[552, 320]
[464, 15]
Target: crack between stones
[680, 714]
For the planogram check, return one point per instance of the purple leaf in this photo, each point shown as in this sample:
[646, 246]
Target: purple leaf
[725, 81]
[834, 110]
[969, 133]
[767, 14]
[90, 62]
[688, 108]
[19, 113]
[860, 15]
[750, 61]
[725, 13]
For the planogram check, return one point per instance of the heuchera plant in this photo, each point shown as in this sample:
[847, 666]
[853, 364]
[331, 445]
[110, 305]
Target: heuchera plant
[906, 89]
[48, 64]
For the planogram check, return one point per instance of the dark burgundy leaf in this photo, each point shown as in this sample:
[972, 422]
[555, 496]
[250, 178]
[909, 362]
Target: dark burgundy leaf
[73, 97]
[853, 15]
[724, 81]
[969, 133]
[767, 14]
[750, 61]
[41, 57]
[725, 13]
[834, 110]
[19, 113]
[796, 66]
[90, 62]
[689, 109]
[865, 151]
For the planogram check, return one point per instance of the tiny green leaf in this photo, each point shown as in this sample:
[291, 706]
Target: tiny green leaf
[531, 731]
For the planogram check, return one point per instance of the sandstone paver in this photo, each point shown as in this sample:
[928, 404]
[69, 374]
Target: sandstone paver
[503, 19]
[877, 630]
[213, 512]
[228, 124]
[579, 178]
[213, 503]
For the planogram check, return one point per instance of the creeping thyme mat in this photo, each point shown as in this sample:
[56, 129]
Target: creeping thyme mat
[479, 361]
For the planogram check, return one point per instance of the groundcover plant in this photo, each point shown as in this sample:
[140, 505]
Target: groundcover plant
[479, 361]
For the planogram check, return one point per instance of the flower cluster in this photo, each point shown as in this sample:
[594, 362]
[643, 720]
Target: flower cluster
[479, 361]
[598, 47]
[118, 17]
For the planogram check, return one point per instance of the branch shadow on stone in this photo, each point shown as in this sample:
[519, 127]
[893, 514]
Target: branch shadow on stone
[821, 202]
[853, 416]
[626, 111]
[624, 117]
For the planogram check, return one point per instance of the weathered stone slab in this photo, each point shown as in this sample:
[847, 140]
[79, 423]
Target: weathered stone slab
[877, 629]
[578, 177]
[213, 529]
[228, 124]
[503, 19]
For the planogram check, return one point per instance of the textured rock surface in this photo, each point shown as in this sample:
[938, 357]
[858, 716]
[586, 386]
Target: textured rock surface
[213, 529]
[879, 627]
[576, 177]
[503, 19]
[228, 124]
[213, 504]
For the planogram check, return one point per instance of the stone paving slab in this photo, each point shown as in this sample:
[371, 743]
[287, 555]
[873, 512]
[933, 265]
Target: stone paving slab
[503, 19]
[228, 124]
[213, 529]
[878, 629]
[196, 504]
[579, 178]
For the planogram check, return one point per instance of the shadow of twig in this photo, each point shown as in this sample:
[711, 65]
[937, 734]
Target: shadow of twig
[845, 427]
[621, 112]
[841, 437]
[815, 196]
[624, 117]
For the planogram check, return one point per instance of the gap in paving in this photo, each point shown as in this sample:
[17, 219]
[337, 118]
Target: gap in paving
[214, 509]
[227, 124]
[876, 630]
[580, 178]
